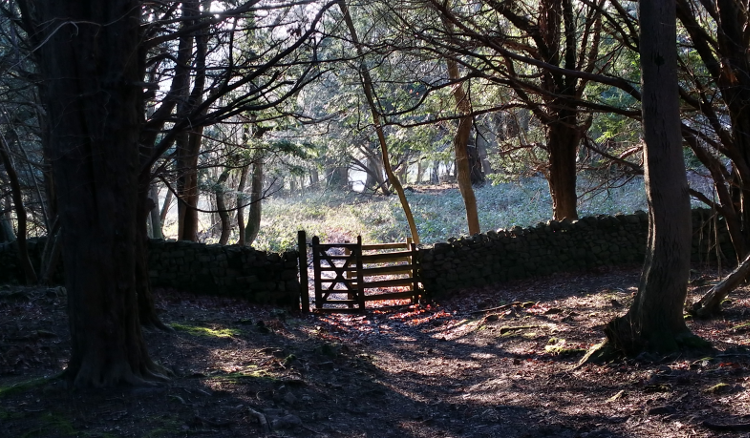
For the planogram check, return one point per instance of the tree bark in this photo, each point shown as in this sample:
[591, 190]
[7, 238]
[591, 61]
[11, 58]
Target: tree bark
[189, 142]
[478, 178]
[154, 214]
[221, 208]
[91, 90]
[710, 304]
[241, 200]
[337, 176]
[6, 229]
[256, 195]
[29, 275]
[165, 206]
[655, 320]
[563, 139]
[460, 146]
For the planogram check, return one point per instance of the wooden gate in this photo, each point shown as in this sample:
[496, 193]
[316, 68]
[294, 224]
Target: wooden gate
[348, 275]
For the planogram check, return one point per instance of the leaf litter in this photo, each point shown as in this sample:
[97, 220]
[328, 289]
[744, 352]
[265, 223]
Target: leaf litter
[486, 362]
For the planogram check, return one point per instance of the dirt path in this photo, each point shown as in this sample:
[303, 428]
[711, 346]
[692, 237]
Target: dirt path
[445, 370]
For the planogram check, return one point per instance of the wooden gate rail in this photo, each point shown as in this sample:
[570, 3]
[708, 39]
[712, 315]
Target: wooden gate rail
[354, 269]
[406, 256]
[341, 266]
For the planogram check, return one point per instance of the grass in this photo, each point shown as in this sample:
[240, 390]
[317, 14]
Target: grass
[339, 216]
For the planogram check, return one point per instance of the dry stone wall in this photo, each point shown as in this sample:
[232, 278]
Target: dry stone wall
[504, 255]
[260, 277]
[225, 270]
[483, 259]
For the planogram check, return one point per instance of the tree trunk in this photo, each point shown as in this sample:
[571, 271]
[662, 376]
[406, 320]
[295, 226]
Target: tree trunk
[241, 200]
[460, 147]
[189, 143]
[165, 206]
[483, 142]
[154, 214]
[91, 90]
[256, 196]
[655, 320]
[337, 177]
[478, 178]
[221, 208]
[314, 178]
[376, 180]
[50, 260]
[562, 143]
[188, 187]
[435, 174]
[6, 229]
[29, 275]
[710, 304]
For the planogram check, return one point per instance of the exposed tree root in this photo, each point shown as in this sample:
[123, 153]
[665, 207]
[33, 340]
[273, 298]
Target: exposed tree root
[736, 427]
[95, 374]
[622, 341]
[622, 336]
[709, 305]
[156, 323]
[600, 353]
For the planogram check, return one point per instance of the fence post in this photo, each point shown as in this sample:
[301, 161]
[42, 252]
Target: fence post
[414, 272]
[360, 277]
[304, 292]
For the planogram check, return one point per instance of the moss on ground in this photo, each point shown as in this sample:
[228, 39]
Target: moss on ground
[207, 331]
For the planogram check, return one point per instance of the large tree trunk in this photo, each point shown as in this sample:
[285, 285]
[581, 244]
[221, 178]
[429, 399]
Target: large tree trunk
[146, 306]
[563, 139]
[91, 90]
[734, 81]
[655, 321]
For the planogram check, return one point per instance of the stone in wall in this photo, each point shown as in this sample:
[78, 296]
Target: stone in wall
[209, 269]
[591, 242]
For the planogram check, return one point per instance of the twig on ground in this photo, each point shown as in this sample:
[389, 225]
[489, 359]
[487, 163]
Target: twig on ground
[492, 309]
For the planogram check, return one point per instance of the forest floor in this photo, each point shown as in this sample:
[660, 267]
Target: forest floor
[451, 369]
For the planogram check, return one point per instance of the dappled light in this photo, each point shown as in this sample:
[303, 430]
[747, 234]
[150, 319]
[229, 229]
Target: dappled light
[492, 361]
[199, 234]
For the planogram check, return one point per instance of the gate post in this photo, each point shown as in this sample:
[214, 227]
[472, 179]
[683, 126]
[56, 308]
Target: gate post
[414, 272]
[360, 277]
[303, 289]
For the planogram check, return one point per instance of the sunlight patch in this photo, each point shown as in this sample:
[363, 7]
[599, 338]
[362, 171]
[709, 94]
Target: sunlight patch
[207, 331]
